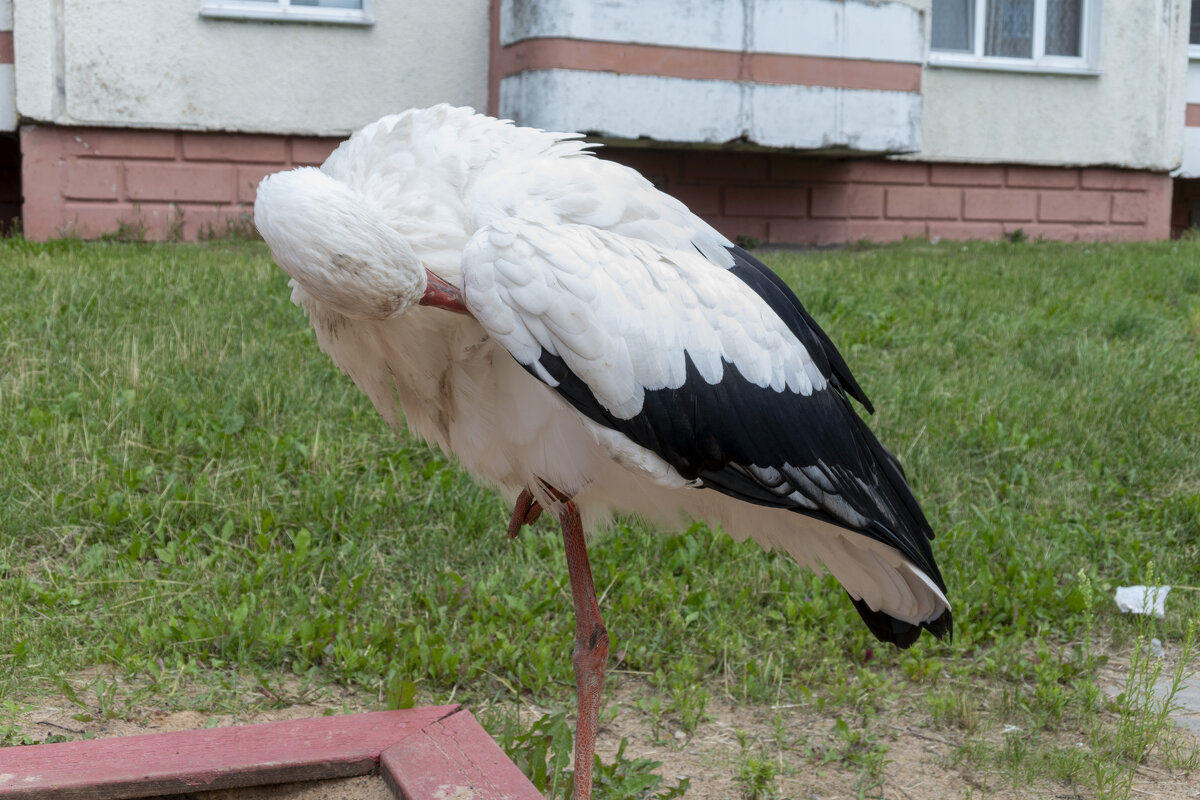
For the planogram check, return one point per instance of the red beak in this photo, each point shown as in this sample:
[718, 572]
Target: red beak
[440, 293]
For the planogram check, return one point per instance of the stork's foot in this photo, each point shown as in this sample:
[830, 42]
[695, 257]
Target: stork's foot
[591, 650]
[525, 512]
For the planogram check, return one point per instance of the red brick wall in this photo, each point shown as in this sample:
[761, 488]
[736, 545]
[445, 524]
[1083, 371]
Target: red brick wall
[805, 200]
[166, 184]
[90, 181]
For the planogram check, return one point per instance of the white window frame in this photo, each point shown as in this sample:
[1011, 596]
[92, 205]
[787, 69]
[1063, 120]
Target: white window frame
[284, 11]
[1086, 63]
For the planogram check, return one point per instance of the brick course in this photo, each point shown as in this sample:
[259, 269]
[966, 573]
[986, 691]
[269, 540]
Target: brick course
[171, 184]
[763, 196]
[87, 182]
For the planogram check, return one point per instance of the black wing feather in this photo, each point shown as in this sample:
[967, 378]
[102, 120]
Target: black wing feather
[783, 301]
[716, 433]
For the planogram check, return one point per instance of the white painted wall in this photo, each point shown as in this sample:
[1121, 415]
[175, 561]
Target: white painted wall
[7, 77]
[8, 106]
[880, 30]
[681, 110]
[1130, 115]
[8, 97]
[614, 106]
[159, 64]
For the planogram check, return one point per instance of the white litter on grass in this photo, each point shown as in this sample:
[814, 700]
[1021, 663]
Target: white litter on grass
[1011, 729]
[1143, 599]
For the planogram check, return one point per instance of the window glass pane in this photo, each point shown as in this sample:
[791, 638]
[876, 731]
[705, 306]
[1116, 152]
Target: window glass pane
[1009, 29]
[1064, 20]
[329, 3]
[1194, 36]
[954, 24]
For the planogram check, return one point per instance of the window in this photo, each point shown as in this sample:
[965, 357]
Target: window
[1194, 31]
[1023, 35]
[348, 12]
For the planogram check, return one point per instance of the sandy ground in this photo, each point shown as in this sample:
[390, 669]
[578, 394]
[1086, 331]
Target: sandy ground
[919, 759]
[364, 788]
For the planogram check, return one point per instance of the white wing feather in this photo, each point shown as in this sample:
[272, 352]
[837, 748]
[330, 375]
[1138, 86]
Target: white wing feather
[622, 313]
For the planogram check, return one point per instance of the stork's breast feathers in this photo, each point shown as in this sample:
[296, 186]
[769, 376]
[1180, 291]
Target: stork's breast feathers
[625, 316]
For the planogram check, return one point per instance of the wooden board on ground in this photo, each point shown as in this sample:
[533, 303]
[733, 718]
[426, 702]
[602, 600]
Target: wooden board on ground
[426, 753]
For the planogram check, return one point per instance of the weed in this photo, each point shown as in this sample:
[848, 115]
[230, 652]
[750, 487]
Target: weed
[651, 706]
[1143, 708]
[756, 773]
[633, 778]
[543, 752]
[175, 224]
[238, 228]
[127, 231]
[866, 754]
[1017, 236]
[955, 707]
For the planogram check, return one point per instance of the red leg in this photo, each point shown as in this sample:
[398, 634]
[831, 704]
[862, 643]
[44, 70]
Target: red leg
[591, 650]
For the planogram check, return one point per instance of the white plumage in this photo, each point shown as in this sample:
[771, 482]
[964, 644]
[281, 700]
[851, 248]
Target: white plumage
[618, 351]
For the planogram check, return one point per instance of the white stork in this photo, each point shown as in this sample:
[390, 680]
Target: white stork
[612, 352]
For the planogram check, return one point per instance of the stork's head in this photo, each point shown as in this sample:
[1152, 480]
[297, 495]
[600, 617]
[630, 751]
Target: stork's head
[336, 246]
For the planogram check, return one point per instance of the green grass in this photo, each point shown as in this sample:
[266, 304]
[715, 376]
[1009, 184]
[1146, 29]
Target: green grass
[194, 497]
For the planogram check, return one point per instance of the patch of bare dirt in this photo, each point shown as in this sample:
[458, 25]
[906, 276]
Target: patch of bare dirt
[366, 787]
[807, 758]
[814, 763]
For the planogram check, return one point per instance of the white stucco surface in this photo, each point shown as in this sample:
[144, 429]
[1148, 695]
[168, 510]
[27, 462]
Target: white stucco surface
[159, 64]
[887, 31]
[868, 29]
[1130, 115]
[8, 107]
[676, 109]
[1193, 81]
[713, 112]
[677, 23]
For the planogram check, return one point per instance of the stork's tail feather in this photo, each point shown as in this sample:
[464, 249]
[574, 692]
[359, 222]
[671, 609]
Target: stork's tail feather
[887, 628]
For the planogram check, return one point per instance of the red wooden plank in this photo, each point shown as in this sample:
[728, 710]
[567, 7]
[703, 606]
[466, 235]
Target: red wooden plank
[452, 758]
[217, 758]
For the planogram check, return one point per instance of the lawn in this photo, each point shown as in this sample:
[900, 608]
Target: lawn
[200, 513]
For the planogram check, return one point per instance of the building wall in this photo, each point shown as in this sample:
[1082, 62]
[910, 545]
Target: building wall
[827, 75]
[152, 184]
[1191, 131]
[187, 185]
[1128, 115]
[93, 85]
[788, 198]
[132, 63]
[8, 98]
